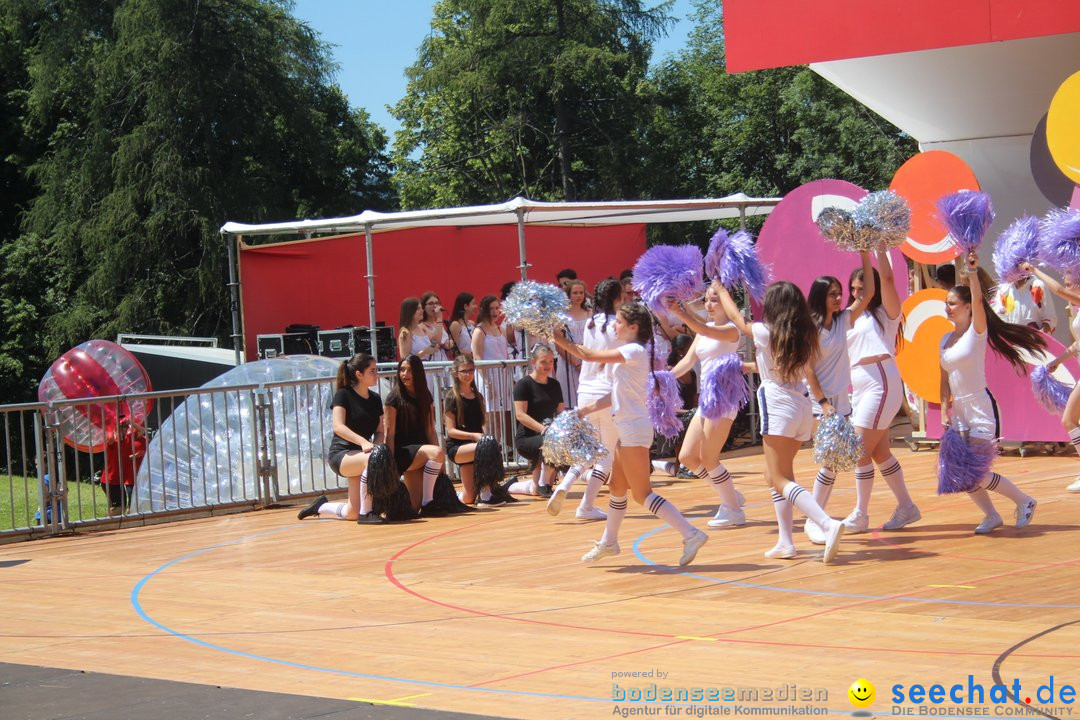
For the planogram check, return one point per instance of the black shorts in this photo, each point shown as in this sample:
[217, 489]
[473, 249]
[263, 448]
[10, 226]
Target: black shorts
[335, 458]
[529, 447]
[452, 446]
[404, 456]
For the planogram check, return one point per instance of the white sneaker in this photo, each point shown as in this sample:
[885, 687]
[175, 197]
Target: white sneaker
[742, 500]
[832, 541]
[726, 517]
[814, 533]
[1024, 513]
[857, 522]
[784, 552]
[590, 514]
[554, 503]
[691, 545]
[601, 551]
[902, 517]
[989, 524]
[1075, 487]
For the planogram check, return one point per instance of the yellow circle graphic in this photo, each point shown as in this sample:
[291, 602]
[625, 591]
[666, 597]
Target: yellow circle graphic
[1061, 128]
[861, 693]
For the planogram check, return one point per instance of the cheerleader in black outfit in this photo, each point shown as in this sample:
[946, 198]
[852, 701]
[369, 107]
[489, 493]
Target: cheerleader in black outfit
[410, 433]
[464, 419]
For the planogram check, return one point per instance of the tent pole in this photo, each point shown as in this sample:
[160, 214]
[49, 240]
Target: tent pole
[234, 295]
[373, 338]
[742, 218]
[523, 266]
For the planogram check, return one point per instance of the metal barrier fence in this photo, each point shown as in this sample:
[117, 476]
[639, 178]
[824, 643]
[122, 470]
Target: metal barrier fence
[208, 451]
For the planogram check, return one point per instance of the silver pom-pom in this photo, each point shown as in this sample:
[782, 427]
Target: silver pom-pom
[537, 308]
[838, 227]
[570, 440]
[882, 220]
[836, 444]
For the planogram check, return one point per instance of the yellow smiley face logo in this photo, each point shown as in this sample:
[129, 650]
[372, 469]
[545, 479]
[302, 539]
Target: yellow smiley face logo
[861, 693]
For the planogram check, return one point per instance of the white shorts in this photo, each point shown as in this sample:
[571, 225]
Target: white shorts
[605, 424]
[977, 415]
[841, 403]
[635, 433]
[784, 413]
[878, 394]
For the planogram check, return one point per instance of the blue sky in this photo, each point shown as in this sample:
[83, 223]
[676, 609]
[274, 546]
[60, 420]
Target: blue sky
[375, 41]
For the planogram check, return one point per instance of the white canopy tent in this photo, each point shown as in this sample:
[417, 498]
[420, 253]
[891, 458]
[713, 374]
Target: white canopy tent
[518, 211]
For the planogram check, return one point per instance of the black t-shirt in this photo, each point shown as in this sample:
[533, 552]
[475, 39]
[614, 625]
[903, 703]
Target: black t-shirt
[541, 401]
[408, 430]
[473, 411]
[361, 416]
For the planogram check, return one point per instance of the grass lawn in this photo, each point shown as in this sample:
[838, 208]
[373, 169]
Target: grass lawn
[19, 501]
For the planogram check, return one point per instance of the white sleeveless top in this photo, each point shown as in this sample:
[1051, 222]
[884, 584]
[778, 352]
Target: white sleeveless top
[833, 369]
[965, 362]
[1074, 326]
[766, 365]
[464, 338]
[596, 378]
[495, 346]
[709, 351]
[420, 342]
[866, 339]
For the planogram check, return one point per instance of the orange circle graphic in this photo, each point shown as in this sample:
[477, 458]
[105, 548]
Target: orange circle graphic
[922, 180]
[919, 357]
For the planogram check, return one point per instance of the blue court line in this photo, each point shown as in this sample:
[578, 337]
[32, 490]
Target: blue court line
[903, 598]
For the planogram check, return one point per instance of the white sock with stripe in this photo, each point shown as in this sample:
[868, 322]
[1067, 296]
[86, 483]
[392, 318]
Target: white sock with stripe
[823, 485]
[864, 484]
[797, 496]
[893, 475]
[431, 474]
[785, 518]
[670, 514]
[720, 479]
[615, 514]
[598, 477]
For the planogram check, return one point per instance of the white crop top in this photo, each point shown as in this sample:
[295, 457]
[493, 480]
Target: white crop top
[631, 383]
[595, 378]
[709, 351]
[866, 339]
[965, 362]
[833, 369]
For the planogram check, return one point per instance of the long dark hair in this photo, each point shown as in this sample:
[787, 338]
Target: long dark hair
[605, 295]
[424, 304]
[416, 406]
[793, 337]
[818, 297]
[453, 400]
[484, 314]
[636, 313]
[460, 303]
[1006, 339]
[358, 363]
[408, 312]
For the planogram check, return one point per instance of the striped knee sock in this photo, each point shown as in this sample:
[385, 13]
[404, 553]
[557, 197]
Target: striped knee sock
[893, 475]
[982, 499]
[598, 477]
[339, 510]
[570, 478]
[431, 474]
[1005, 486]
[823, 485]
[785, 518]
[365, 495]
[615, 514]
[723, 487]
[803, 500]
[1074, 438]
[670, 514]
[864, 483]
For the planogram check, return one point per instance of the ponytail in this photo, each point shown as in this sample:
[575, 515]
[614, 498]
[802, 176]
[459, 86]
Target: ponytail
[346, 374]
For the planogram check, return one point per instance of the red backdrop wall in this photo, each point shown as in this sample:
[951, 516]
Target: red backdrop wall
[322, 282]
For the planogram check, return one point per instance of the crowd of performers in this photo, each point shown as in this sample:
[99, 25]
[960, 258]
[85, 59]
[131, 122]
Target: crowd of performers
[816, 356]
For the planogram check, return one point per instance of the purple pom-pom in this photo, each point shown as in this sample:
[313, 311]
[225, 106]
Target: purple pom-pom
[1018, 244]
[967, 215]
[664, 403]
[1059, 240]
[668, 271]
[1051, 393]
[963, 463]
[733, 259]
[723, 387]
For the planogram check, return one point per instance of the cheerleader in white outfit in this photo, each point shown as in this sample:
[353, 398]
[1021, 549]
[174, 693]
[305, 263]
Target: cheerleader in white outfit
[786, 344]
[878, 396]
[966, 402]
[1070, 418]
[705, 438]
[833, 366]
[594, 384]
[631, 381]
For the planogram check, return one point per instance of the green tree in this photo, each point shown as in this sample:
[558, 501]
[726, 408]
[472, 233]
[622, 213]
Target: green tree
[162, 119]
[531, 97]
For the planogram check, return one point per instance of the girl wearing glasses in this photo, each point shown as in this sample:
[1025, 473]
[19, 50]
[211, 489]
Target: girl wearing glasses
[464, 419]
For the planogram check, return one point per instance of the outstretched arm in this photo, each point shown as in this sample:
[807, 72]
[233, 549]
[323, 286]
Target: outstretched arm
[733, 312]
[859, 305]
[1055, 287]
[978, 308]
[890, 300]
[601, 356]
[725, 333]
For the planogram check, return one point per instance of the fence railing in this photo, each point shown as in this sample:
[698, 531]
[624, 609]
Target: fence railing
[208, 451]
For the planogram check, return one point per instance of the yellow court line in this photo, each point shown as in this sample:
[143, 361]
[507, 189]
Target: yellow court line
[694, 637]
[966, 587]
[398, 702]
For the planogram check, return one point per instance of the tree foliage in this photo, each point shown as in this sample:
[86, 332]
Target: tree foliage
[525, 97]
[158, 121]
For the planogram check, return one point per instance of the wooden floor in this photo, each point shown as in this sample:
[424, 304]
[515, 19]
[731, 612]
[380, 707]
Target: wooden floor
[493, 613]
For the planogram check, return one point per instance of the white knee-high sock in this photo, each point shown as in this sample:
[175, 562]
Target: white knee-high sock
[598, 477]
[670, 514]
[522, 487]
[334, 509]
[365, 495]
[864, 484]
[720, 479]
[570, 478]
[702, 472]
[823, 485]
[431, 474]
[1074, 438]
[893, 475]
[785, 518]
[803, 500]
[1001, 484]
[982, 498]
[546, 473]
[615, 514]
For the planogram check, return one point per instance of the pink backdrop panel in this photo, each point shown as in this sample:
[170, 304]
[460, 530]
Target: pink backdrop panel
[791, 244]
